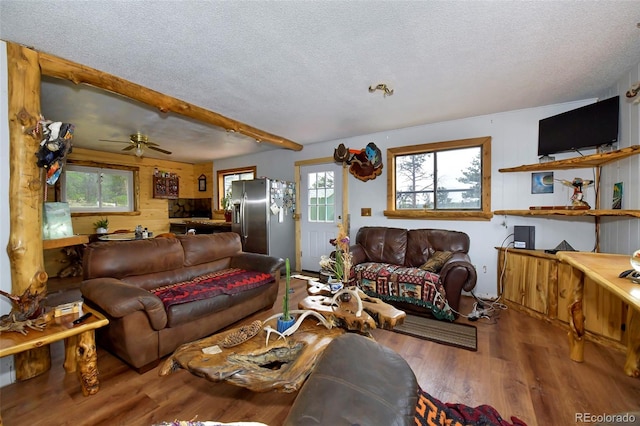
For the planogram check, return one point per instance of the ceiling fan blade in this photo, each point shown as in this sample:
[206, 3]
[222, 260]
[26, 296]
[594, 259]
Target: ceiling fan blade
[107, 140]
[128, 148]
[151, 143]
[164, 151]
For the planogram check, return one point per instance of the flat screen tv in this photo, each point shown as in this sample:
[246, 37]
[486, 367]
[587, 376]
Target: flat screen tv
[585, 127]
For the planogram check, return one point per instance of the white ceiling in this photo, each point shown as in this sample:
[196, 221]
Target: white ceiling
[301, 69]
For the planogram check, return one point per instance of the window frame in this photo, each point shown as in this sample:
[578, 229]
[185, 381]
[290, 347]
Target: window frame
[484, 213]
[221, 175]
[135, 190]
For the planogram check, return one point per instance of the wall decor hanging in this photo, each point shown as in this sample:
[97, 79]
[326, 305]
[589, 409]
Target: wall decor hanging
[54, 146]
[202, 183]
[633, 92]
[365, 164]
[542, 183]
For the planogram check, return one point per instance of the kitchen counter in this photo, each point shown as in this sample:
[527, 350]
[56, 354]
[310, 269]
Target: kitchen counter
[202, 226]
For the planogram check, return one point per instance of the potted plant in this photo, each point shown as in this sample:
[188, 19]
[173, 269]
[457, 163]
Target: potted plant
[226, 206]
[101, 225]
[286, 320]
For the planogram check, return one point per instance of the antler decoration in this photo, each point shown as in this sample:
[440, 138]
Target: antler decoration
[633, 92]
[382, 87]
[289, 331]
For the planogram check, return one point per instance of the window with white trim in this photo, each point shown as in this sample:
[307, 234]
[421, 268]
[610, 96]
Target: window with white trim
[97, 190]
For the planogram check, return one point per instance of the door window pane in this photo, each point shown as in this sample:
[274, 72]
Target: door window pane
[321, 202]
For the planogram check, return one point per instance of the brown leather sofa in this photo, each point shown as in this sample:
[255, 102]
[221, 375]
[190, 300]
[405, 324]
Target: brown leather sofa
[360, 382]
[411, 249]
[122, 280]
[356, 382]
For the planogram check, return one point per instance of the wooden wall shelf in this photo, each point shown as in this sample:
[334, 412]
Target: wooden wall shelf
[65, 242]
[586, 161]
[591, 212]
[594, 160]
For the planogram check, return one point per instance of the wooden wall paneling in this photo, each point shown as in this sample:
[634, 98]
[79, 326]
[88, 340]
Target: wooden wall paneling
[536, 284]
[205, 169]
[552, 289]
[512, 282]
[603, 311]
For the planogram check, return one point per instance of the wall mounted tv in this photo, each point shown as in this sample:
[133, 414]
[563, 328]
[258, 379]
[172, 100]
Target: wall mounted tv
[585, 127]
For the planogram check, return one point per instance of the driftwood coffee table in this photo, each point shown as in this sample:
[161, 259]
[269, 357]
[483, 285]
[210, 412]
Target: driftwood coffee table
[280, 364]
[249, 357]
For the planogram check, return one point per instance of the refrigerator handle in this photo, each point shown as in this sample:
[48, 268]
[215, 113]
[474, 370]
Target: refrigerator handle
[243, 218]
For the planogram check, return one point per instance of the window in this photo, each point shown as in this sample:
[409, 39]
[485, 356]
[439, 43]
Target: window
[440, 180]
[321, 202]
[95, 189]
[225, 177]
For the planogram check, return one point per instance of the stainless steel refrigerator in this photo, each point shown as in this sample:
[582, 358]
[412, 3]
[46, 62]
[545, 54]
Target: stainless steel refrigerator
[263, 212]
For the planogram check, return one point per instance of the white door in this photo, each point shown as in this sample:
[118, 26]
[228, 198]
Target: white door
[321, 211]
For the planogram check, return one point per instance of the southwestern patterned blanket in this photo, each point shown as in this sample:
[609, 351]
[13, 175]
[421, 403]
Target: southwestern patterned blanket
[225, 281]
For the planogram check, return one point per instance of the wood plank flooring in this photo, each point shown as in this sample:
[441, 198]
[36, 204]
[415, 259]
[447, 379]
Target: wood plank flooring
[521, 368]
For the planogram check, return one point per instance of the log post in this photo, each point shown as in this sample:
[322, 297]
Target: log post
[25, 186]
[576, 321]
[632, 363]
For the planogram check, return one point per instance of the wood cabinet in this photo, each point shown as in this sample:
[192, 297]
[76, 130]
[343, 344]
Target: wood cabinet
[529, 278]
[166, 187]
[539, 284]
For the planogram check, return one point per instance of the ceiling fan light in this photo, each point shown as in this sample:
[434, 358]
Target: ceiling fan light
[139, 151]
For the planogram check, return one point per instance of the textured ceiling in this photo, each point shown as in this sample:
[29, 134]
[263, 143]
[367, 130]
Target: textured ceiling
[301, 69]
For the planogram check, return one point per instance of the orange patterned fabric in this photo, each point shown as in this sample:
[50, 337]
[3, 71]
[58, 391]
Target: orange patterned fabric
[432, 412]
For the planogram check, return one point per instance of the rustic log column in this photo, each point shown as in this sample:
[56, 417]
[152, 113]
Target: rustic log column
[632, 364]
[576, 321]
[25, 186]
[81, 357]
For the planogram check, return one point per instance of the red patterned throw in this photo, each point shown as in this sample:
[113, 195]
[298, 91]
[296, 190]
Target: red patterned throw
[226, 281]
[430, 412]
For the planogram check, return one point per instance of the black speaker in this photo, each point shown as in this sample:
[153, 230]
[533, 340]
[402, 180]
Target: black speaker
[524, 237]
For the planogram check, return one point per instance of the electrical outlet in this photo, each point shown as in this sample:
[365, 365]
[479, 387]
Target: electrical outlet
[486, 296]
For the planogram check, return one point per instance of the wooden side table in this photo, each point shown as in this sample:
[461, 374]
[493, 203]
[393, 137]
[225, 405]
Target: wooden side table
[79, 342]
[603, 269]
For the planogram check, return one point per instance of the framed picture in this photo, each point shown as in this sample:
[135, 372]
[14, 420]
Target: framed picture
[617, 196]
[202, 183]
[542, 183]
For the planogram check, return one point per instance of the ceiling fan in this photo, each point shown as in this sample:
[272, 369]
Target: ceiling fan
[139, 142]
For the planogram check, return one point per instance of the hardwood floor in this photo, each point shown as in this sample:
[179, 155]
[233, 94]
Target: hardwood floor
[521, 368]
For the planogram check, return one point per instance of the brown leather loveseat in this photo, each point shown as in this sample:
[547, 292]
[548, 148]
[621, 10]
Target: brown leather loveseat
[417, 270]
[159, 293]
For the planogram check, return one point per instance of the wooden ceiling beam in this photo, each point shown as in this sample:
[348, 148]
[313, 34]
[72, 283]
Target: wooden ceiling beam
[54, 66]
